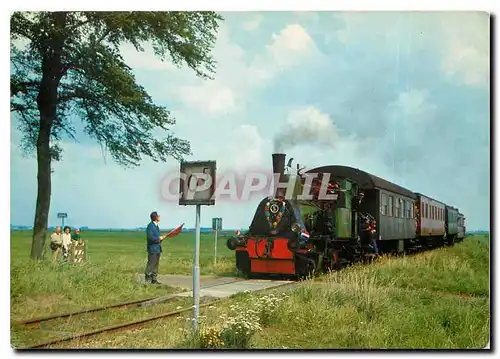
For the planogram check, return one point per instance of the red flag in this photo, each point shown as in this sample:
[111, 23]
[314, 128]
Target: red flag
[175, 232]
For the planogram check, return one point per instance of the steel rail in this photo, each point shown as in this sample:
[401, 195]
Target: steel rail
[123, 326]
[122, 305]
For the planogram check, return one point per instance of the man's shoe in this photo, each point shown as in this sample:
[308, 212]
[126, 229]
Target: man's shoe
[147, 278]
[154, 281]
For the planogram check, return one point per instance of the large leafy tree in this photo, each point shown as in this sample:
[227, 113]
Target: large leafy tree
[68, 65]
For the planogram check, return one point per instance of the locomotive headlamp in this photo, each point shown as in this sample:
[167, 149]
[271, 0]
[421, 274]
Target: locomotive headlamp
[234, 242]
[295, 227]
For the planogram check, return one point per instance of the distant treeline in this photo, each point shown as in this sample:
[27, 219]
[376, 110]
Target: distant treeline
[139, 229]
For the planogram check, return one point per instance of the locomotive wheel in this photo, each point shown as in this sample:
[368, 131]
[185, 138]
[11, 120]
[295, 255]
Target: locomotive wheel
[292, 245]
[304, 267]
[242, 263]
[333, 262]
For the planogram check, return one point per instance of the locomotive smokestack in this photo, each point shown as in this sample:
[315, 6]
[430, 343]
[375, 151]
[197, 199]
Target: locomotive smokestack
[279, 163]
[279, 167]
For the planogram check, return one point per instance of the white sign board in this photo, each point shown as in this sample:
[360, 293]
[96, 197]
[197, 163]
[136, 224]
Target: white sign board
[197, 183]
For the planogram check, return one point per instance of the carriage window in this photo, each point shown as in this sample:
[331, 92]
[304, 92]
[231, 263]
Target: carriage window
[396, 208]
[403, 209]
[408, 209]
[426, 210]
[383, 207]
[391, 201]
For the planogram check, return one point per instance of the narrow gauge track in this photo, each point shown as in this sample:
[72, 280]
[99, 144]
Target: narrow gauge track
[136, 323]
[140, 322]
[124, 305]
[37, 321]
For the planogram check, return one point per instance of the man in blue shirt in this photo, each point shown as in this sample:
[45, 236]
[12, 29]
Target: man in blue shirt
[154, 248]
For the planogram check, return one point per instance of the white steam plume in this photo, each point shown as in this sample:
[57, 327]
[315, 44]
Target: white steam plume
[306, 125]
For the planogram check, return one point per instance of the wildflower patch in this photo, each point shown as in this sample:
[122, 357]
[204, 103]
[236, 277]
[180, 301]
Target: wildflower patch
[235, 328]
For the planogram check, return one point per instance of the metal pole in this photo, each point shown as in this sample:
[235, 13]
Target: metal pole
[215, 247]
[196, 272]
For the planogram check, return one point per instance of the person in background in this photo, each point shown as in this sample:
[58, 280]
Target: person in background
[56, 243]
[373, 237]
[76, 235]
[66, 242]
[357, 201]
[154, 248]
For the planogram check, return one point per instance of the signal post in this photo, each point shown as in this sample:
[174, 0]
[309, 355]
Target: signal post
[197, 188]
[216, 226]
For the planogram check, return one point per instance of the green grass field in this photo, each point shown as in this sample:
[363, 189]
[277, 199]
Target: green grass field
[437, 299]
[114, 258]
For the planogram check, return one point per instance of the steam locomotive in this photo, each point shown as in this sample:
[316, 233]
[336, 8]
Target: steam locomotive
[348, 216]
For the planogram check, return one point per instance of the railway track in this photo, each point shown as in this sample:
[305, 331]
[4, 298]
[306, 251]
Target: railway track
[125, 325]
[38, 321]
[128, 305]
[33, 322]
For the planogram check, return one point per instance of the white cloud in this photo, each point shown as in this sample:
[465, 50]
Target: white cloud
[461, 39]
[467, 43]
[210, 98]
[253, 24]
[291, 45]
[144, 60]
[236, 77]
[414, 103]
[249, 146]
[237, 74]
[411, 115]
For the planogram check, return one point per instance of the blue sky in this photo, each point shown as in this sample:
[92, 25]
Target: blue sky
[404, 96]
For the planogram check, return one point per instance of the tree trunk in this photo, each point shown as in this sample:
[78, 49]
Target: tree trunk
[47, 106]
[44, 190]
